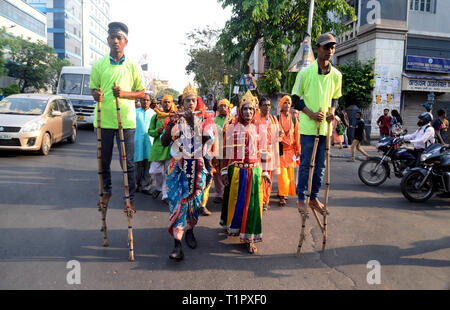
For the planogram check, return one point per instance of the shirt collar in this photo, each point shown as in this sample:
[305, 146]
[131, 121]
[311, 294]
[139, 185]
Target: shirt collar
[320, 70]
[114, 63]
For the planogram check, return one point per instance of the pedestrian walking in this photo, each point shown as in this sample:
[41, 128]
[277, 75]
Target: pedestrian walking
[290, 145]
[344, 119]
[320, 85]
[384, 123]
[438, 125]
[242, 175]
[190, 134]
[117, 69]
[338, 131]
[159, 157]
[143, 145]
[360, 136]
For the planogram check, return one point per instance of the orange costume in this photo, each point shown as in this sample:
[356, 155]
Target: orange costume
[269, 151]
[290, 139]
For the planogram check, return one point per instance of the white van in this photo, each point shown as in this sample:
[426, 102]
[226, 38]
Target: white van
[74, 84]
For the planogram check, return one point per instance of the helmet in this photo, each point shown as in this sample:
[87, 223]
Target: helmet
[425, 118]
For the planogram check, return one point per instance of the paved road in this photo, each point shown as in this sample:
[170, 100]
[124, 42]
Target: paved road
[48, 217]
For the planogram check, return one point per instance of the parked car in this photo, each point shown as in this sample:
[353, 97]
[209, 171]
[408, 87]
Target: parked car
[33, 122]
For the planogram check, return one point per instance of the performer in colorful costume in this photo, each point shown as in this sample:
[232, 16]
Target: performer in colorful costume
[290, 138]
[242, 176]
[192, 134]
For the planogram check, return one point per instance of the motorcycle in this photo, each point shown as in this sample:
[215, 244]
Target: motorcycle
[375, 170]
[431, 176]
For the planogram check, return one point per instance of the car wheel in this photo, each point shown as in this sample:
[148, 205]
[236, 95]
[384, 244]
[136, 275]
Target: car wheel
[46, 144]
[73, 136]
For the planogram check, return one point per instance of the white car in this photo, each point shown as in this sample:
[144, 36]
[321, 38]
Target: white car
[33, 122]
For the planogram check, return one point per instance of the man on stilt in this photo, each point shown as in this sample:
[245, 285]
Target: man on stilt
[320, 86]
[117, 69]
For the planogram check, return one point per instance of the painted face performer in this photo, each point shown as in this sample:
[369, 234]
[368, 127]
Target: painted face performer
[192, 136]
[242, 176]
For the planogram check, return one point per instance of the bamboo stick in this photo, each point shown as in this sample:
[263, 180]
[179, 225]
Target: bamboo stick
[129, 209]
[102, 208]
[308, 195]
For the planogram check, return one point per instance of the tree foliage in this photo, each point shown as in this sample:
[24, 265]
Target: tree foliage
[36, 66]
[358, 79]
[207, 62]
[281, 25]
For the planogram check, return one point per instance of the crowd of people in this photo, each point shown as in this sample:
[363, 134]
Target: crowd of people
[181, 149]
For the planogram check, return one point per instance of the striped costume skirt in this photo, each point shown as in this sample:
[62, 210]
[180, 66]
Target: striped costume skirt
[242, 204]
[186, 180]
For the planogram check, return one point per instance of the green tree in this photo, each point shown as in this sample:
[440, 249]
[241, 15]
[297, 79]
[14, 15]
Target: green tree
[358, 79]
[11, 90]
[55, 66]
[3, 44]
[281, 25]
[207, 62]
[32, 64]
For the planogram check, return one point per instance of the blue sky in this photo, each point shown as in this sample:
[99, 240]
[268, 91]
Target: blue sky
[158, 28]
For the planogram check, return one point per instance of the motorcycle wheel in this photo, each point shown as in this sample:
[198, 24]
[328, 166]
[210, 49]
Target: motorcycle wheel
[371, 177]
[409, 187]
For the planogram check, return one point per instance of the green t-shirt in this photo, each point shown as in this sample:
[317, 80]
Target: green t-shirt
[129, 78]
[317, 91]
[220, 121]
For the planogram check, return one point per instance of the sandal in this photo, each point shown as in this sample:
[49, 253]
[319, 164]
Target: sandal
[282, 202]
[106, 199]
[303, 210]
[318, 206]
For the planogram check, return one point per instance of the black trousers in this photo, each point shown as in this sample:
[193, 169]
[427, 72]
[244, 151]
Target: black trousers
[107, 152]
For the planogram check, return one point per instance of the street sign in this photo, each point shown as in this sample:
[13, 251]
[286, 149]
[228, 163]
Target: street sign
[428, 64]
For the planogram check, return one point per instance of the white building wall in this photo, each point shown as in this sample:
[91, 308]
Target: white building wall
[21, 30]
[95, 30]
[388, 56]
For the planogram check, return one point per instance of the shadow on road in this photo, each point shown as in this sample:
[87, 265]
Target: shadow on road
[152, 247]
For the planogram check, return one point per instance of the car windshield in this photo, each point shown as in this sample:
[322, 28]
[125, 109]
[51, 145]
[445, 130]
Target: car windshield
[22, 106]
[70, 84]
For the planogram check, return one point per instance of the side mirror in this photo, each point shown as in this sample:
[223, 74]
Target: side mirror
[56, 113]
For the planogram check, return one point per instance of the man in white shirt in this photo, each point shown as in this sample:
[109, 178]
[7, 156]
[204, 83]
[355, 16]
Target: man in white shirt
[422, 137]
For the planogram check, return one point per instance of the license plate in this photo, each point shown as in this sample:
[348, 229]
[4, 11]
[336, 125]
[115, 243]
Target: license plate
[4, 136]
[80, 118]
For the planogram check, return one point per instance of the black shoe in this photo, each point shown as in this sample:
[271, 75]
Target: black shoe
[166, 201]
[190, 239]
[177, 252]
[146, 192]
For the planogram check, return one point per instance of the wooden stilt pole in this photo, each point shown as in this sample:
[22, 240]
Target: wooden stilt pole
[102, 207]
[308, 195]
[129, 209]
[327, 186]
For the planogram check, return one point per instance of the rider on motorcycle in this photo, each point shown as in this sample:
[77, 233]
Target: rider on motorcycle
[423, 137]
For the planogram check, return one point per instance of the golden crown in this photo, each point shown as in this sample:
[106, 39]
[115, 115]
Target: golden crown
[189, 91]
[248, 98]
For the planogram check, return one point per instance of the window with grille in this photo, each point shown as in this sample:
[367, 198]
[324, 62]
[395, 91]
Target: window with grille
[428, 6]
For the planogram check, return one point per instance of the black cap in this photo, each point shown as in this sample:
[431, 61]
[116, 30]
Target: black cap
[114, 27]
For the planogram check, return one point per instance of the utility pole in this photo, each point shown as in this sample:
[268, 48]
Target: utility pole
[304, 56]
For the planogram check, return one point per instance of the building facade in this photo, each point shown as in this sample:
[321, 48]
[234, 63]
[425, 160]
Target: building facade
[64, 27]
[96, 17]
[21, 19]
[410, 42]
